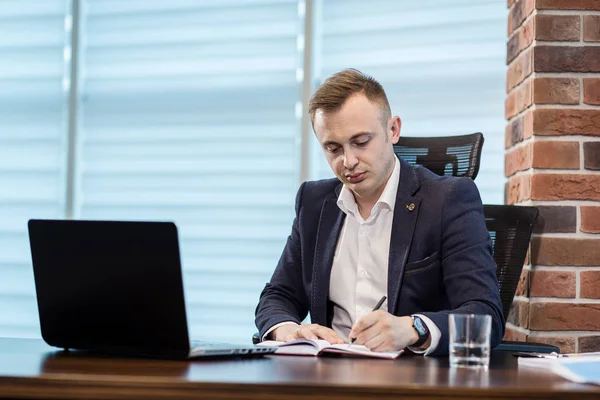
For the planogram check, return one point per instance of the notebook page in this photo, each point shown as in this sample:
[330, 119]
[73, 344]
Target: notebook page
[298, 347]
[363, 351]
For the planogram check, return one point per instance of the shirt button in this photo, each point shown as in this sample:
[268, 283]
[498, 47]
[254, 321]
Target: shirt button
[364, 233]
[364, 273]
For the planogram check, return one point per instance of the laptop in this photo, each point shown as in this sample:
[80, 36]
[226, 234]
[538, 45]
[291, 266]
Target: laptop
[116, 287]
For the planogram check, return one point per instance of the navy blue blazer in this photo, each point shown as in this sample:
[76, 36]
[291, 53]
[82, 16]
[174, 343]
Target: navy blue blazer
[440, 255]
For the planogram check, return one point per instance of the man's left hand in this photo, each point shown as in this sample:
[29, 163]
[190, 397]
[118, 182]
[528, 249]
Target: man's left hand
[382, 331]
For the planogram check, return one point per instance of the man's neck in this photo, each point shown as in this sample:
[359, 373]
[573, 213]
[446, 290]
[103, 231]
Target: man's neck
[365, 207]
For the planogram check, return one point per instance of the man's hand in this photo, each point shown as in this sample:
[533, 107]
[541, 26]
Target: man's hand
[287, 333]
[382, 331]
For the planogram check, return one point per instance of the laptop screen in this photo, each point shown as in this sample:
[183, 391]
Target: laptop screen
[109, 285]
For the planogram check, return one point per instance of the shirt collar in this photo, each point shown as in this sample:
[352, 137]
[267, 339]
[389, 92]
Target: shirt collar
[347, 203]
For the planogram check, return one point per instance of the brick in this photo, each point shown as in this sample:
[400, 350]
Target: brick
[568, 5]
[564, 316]
[519, 69]
[591, 28]
[567, 59]
[514, 335]
[523, 307]
[556, 219]
[519, 314]
[556, 91]
[518, 14]
[513, 314]
[591, 91]
[513, 48]
[514, 132]
[518, 100]
[562, 284]
[518, 159]
[528, 125]
[553, 251]
[590, 219]
[523, 285]
[589, 282]
[588, 344]
[591, 155]
[510, 105]
[520, 40]
[519, 189]
[557, 27]
[554, 121]
[555, 155]
[564, 187]
[519, 129]
[565, 343]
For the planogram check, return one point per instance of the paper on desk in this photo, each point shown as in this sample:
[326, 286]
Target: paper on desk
[580, 368]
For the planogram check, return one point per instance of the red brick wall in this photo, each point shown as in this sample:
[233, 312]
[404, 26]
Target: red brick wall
[553, 162]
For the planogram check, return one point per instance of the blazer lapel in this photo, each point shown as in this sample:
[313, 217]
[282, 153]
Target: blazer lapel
[330, 224]
[406, 211]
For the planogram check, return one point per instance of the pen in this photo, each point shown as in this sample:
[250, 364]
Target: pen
[379, 304]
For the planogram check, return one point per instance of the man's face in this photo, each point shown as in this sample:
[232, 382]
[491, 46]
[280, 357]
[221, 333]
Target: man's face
[358, 145]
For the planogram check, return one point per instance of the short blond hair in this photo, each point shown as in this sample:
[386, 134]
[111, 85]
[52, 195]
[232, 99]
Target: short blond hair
[338, 88]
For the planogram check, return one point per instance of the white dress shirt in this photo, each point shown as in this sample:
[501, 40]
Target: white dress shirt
[359, 273]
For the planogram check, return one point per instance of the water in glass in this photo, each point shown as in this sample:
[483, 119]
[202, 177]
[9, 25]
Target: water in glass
[470, 355]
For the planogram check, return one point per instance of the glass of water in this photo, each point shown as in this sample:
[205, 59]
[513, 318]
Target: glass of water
[470, 340]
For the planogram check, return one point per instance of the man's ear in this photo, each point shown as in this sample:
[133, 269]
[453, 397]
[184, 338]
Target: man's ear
[395, 127]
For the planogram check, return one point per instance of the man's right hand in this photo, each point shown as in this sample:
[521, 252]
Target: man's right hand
[289, 332]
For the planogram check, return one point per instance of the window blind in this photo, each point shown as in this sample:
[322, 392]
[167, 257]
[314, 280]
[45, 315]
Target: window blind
[442, 64]
[187, 113]
[32, 135]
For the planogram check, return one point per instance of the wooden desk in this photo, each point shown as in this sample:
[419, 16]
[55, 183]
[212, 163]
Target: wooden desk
[30, 369]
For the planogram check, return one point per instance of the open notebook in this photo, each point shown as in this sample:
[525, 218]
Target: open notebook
[308, 347]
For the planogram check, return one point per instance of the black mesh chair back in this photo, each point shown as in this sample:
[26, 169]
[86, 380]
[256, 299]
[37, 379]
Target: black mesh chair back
[445, 155]
[510, 228]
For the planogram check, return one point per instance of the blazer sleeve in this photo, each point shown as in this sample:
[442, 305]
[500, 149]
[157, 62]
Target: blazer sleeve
[468, 268]
[284, 298]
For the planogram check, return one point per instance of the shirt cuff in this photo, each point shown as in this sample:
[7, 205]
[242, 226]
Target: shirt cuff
[271, 329]
[434, 334]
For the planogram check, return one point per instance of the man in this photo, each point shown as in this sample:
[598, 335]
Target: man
[383, 227]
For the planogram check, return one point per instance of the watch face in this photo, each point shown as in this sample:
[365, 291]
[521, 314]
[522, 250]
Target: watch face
[419, 326]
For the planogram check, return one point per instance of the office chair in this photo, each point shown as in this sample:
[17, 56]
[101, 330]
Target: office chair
[510, 228]
[445, 155]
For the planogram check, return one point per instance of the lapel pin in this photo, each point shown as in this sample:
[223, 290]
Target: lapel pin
[410, 206]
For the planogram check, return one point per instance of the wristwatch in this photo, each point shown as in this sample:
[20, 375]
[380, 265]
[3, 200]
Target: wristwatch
[421, 329]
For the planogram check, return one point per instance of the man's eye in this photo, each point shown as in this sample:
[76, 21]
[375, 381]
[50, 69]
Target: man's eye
[332, 149]
[362, 144]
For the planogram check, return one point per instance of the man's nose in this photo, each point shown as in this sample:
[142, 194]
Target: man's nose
[350, 160]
